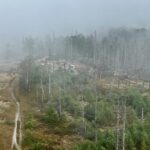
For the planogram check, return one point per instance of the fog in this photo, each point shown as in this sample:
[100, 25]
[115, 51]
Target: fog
[32, 17]
[74, 74]
[37, 26]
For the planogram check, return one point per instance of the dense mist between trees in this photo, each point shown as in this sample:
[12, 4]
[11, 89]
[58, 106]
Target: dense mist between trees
[120, 50]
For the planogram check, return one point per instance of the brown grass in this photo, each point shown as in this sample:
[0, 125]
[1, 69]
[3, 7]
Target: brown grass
[7, 113]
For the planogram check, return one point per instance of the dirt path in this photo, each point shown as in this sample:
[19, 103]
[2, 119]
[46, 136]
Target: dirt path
[17, 133]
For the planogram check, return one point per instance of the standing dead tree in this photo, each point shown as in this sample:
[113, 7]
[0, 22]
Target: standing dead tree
[83, 114]
[117, 126]
[121, 124]
[42, 92]
[142, 116]
[49, 86]
[124, 126]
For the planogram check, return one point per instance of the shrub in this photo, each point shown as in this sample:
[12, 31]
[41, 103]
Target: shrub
[51, 117]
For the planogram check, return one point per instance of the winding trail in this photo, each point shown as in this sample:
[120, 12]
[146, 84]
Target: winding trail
[17, 133]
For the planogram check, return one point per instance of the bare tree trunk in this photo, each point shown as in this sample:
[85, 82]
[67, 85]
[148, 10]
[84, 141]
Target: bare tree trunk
[37, 95]
[124, 126]
[49, 86]
[27, 81]
[96, 119]
[59, 104]
[83, 115]
[96, 138]
[43, 93]
[117, 127]
[118, 82]
[60, 107]
[71, 50]
[142, 116]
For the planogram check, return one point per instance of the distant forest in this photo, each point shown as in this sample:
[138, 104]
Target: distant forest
[120, 50]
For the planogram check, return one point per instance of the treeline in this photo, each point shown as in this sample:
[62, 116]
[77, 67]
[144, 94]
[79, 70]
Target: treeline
[120, 50]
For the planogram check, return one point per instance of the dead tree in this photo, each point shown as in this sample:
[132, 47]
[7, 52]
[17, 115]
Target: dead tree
[83, 114]
[71, 49]
[121, 124]
[142, 116]
[59, 104]
[117, 126]
[42, 93]
[96, 138]
[49, 86]
[37, 94]
[124, 126]
[96, 122]
[27, 81]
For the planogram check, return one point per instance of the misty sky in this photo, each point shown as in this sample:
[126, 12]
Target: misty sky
[27, 17]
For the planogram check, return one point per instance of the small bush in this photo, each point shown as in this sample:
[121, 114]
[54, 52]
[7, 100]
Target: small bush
[52, 118]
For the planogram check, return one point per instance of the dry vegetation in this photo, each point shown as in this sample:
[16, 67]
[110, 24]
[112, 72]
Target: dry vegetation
[7, 112]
